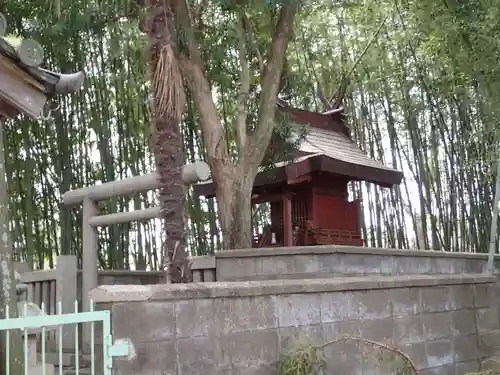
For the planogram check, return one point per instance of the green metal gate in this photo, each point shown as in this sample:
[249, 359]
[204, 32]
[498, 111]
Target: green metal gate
[36, 329]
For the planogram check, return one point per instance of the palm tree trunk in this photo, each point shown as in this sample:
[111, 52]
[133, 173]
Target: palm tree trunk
[168, 149]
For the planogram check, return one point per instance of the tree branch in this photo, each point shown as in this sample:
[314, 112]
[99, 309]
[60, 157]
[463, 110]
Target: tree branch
[321, 95]
[253, 43]
[192, 68]
[319, 92]
[338, 97]
[258, 142]
[242, 110]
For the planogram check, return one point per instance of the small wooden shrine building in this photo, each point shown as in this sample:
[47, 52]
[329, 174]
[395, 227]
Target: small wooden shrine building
[308, 196]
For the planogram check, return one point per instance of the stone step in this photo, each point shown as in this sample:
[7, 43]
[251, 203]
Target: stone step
[39, 370]
[68, 359]
[83, 371]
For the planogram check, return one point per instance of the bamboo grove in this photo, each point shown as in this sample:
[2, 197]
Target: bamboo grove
[421, 98]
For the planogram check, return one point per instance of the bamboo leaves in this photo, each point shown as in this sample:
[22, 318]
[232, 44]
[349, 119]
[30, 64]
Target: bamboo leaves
[422, 97]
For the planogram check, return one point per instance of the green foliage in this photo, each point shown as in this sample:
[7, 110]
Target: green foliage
[270, 5]
[305, 358]
[423, 99]
[285, 142]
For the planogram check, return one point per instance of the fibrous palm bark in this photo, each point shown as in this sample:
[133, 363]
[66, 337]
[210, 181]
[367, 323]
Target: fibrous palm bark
[169, 101]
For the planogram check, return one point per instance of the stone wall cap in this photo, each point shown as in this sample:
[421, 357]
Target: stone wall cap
[138, 293]
[339, 249]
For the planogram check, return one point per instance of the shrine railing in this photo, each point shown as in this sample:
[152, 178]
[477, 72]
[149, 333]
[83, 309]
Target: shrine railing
[313, 236]
[332, 237]
[54, 289]
[63, 283]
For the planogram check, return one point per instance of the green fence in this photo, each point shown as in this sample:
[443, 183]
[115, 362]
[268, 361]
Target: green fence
[35, 328]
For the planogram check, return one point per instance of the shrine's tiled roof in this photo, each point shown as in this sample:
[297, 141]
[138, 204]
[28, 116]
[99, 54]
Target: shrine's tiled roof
[327, 147]
[25, 86]
[352, 161]
[48, 79]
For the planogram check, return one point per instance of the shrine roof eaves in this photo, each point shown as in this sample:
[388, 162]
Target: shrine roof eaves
[316, 162]
[9, 55]
[52, 82]
[338, 146]
[25, 87]
[327, 148]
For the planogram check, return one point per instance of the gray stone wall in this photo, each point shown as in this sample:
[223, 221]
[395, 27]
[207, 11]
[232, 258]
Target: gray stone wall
[125, 277]
[447, 324]
[329, 261]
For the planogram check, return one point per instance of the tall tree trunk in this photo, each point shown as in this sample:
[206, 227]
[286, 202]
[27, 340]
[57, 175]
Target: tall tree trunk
[8, 296]
[29, 203]
[234, 199]
[492, 248]
[168, 148]
[64, 171]
[234, 178]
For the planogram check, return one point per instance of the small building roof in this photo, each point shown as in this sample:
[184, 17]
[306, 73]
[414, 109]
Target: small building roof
[47, 79]
[327, 147]
[341, 150]
[24, 85]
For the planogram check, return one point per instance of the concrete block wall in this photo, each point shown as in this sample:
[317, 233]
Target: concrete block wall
[125, 277]
[332, 261]
[448, 324]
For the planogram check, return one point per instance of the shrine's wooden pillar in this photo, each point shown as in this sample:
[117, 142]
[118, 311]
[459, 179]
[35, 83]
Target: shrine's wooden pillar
[287, 220]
